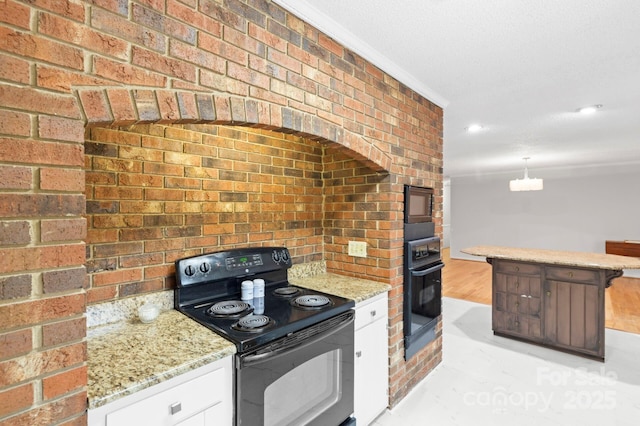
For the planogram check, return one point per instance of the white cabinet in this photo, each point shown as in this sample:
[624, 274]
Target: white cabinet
[201, 397]
[371, 359]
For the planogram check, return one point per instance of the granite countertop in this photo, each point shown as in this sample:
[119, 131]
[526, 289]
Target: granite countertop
[568, 258]
[167, 347]
[128, 356]
[356, 289]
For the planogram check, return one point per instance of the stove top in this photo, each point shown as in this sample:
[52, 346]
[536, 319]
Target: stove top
[209, 291]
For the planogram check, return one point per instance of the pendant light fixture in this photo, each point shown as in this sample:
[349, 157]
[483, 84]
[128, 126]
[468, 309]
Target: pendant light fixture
[526, 184]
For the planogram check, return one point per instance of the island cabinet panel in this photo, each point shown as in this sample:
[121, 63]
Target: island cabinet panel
[561, 307]
[517, 300]
[574, 310]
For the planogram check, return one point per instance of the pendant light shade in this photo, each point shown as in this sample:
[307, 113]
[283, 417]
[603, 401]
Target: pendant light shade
[527, 183]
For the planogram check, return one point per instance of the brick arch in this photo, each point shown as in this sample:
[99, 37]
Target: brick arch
[121, 107]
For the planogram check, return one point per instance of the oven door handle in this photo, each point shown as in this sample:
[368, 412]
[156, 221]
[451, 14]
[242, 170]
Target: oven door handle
[423, 272]
[270, 353]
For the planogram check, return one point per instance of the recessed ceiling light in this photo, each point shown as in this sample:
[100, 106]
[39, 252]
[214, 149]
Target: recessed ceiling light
[589, 109]
[474, 128]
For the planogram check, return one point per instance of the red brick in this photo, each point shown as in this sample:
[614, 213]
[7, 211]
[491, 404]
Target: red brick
[15, 14]
[36, 47]
[60, 128]
[63, 229]
[193, 17]
[16, 177]
[81, 35]
[117, 193]
[101, 294]
[122, 106]
[197, 56]
[31, 258]
[36, 311]
[96, 106]
[117, 277]
[35, 100]
[168, 105]
[223, 49]
[55, 412]
[162, 64]
[140, 287]
[16, 399]
[67, 9]
[15, 344]
[162, 22]
[122, 28]
[15, 123]
[15, 232]
[64, 382]
[69, 180]
[14, 69]
[14, 287]
[40, 205]
[32, 151]
[57, 281]
[65, 331]
[126, 74]
[61, 80]
[188, 108]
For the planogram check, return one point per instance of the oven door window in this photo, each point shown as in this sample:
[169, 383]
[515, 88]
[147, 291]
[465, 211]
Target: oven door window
[425, 297]
[305, 392]
[310, 383]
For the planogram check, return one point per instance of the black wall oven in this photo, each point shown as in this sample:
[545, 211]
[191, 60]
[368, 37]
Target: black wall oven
[422, 292]
[423, 265]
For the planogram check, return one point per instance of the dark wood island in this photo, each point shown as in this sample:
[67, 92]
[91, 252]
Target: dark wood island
[552, 298]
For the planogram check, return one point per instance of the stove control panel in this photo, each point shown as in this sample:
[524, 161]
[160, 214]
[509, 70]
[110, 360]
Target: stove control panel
[243, 262]
[230, 263]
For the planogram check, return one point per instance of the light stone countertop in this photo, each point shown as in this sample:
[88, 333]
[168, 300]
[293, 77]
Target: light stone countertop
[128, 356]
[356, 289]
[554, 257]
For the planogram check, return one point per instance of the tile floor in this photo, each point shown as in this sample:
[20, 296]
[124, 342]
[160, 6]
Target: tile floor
[489, 380]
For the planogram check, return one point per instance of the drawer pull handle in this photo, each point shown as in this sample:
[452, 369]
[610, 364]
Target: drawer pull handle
[373, 313]
[548, 293]
[570, 274]
[517, 284]
[175, 408]
[517, 268]
[359, 354]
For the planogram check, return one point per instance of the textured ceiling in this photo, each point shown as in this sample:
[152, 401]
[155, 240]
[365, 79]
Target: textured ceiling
[521, 68]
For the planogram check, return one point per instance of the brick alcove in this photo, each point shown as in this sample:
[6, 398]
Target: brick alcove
[120, 107]
[71, 66]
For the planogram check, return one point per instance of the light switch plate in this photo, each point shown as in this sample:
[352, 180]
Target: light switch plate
[358, 248]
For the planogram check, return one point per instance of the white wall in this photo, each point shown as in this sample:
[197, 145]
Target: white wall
[578, 210]
[446, 213]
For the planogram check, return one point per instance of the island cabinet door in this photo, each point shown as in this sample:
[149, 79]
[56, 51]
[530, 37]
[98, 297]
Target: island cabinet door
[574, 316]
[517, 305]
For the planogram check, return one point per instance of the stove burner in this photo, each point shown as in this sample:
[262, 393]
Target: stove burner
[311, 301]
[286, 291]
[229, 309]
[253, 323]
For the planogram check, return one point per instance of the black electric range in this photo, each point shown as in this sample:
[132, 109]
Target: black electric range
[209, 291]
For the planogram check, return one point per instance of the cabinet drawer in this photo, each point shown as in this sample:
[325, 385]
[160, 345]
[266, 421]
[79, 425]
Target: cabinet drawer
[573, 274]
[185, 400]
[371, 311]
[517, 268]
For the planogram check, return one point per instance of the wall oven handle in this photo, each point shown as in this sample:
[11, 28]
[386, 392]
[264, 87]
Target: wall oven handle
[298, 340]
[423, 272]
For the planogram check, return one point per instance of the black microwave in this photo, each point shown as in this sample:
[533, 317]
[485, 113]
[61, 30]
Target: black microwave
[418, 204]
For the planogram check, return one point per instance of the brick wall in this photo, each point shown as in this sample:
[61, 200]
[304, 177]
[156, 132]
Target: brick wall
[72, 67]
